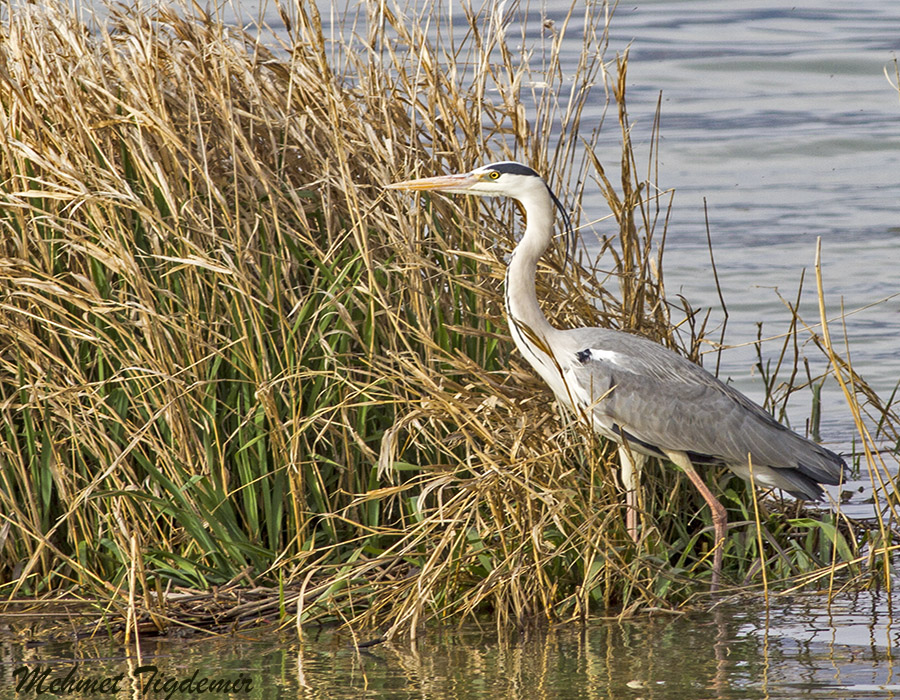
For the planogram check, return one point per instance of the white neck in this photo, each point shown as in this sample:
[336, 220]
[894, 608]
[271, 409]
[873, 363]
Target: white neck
[522, 308]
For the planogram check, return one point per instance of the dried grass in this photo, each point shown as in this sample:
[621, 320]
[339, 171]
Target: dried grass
[228, 357]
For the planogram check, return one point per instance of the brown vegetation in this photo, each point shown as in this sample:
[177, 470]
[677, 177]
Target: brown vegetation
[229, 361]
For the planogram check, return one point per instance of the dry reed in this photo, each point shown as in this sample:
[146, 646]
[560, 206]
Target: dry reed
[230, 362]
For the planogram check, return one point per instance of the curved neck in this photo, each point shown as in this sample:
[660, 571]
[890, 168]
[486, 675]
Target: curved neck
[522, 306]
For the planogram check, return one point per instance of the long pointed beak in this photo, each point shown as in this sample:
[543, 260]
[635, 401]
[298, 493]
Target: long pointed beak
[442, 183]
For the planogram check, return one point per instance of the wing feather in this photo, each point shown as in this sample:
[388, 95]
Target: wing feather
[662, 399]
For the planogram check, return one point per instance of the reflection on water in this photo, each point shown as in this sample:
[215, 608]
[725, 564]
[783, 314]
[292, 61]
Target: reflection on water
[732, 652]
[801, 649]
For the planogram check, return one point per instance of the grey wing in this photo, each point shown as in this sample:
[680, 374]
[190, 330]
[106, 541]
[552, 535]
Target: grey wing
[662, 401]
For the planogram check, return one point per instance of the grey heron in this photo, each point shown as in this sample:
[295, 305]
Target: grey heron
[650, 400]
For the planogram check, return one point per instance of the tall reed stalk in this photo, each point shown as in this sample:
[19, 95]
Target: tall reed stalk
[228, 359]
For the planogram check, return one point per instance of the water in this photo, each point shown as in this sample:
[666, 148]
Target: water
[799, 649]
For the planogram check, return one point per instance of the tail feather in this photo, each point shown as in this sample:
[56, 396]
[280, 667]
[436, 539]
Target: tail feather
[805, 480]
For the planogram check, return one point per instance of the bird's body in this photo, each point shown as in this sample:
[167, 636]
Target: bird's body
[658, 401]
[649, 399]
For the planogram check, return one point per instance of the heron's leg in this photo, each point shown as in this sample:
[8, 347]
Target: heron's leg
[631, 464]
[719, 515]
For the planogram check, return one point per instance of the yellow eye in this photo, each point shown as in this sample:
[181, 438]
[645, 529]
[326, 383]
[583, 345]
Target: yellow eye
[494, 175]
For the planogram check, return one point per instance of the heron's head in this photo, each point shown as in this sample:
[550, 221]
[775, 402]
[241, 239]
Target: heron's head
[505, 179]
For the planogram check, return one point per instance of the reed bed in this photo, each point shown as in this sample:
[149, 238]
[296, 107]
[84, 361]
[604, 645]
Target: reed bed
[237, 378]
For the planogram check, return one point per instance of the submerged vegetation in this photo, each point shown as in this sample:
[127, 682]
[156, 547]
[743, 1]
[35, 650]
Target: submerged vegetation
[231, 362]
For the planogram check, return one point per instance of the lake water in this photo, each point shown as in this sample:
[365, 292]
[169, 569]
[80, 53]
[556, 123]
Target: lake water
[780, 116]
[800, 649]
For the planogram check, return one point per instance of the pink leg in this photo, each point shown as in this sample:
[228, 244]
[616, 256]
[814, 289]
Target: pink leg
[719, 515]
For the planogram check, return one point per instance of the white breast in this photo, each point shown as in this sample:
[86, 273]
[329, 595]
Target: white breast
[559, 374]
